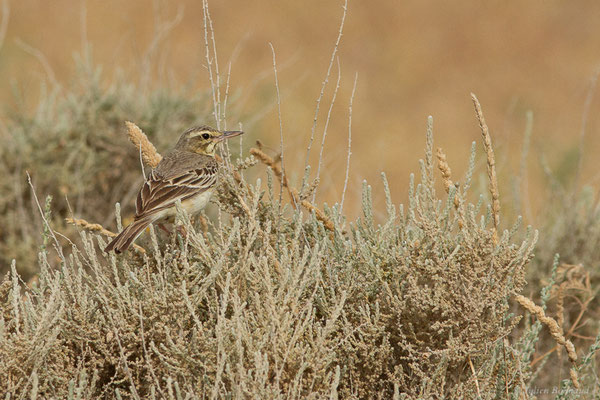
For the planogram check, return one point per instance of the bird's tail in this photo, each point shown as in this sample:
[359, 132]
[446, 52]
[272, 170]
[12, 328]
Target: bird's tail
[124, 239]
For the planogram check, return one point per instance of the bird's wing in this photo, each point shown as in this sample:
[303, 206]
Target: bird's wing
[159, 193]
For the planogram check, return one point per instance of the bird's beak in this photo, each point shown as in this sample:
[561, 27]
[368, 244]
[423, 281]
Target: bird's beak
[227, 135]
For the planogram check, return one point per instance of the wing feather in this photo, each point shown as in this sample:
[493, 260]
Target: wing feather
[159, 193]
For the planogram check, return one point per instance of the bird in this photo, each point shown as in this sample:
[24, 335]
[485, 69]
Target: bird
[188, 173]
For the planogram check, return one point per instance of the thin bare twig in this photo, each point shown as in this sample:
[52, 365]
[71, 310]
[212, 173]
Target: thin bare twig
[337, 86]
[293, 193]
[325, 81]
[349, 153]
[283, 176]
[216, 60]
[209, 62]
[37, 202]
[474, 376]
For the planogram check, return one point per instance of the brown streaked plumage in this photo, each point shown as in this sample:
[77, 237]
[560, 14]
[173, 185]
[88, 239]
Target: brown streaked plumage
[187, 174]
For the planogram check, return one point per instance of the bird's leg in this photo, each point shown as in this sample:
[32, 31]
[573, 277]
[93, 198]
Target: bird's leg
[162, 227]
[182, 231]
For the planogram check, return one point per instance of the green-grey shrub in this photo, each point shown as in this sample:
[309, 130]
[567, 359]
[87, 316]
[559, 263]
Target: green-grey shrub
[74, 145]
[268, 303]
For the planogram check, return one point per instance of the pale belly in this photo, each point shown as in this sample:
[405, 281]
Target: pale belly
[191, 206]
[197, 203]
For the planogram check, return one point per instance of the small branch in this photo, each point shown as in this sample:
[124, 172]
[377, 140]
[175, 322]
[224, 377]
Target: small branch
[278, 173]
[280, 121]
[474, 376]
[293, 193]
[209, 62]
[37, 202]
[335, 91]
[349, 152]
[325, 81]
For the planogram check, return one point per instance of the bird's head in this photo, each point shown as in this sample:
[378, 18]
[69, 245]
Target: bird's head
[204, 139]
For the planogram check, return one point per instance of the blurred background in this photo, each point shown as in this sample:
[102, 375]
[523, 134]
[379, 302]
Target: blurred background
[412, 59]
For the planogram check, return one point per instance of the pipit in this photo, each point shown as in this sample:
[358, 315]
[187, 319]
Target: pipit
[187, 174]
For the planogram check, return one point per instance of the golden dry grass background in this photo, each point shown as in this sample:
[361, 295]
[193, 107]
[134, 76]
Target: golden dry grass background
[413, 58]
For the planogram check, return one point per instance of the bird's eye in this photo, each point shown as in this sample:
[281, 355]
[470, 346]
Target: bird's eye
[205, 136]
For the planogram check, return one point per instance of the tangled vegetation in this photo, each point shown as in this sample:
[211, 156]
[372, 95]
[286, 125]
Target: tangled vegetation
[272, 295]
[265, 301]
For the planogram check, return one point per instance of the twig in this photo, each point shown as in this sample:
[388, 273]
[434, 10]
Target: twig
[474, 376]
[56, 242]
[216, 60]
[491, 166]
[349, 143]
[337, 87]
[294, 196]
[209, 63]
[278, 173]
[140, 140]
[283, 176]
[325, 81]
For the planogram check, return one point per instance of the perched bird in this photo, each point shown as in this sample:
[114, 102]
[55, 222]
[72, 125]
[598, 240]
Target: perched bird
[188, 174]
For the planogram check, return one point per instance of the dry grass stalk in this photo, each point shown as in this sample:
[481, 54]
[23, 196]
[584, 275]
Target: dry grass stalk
[266, 159]
[444, 169]
[294, 196]
[491, 165]
[149, 154]
[576, 279]
[474, 374]
[88, 226]
[446, 172]
[319, 214]
[555, 331]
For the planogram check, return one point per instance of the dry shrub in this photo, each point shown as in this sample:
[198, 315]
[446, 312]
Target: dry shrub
[567, 263]
[266, 303]
[75, 149]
